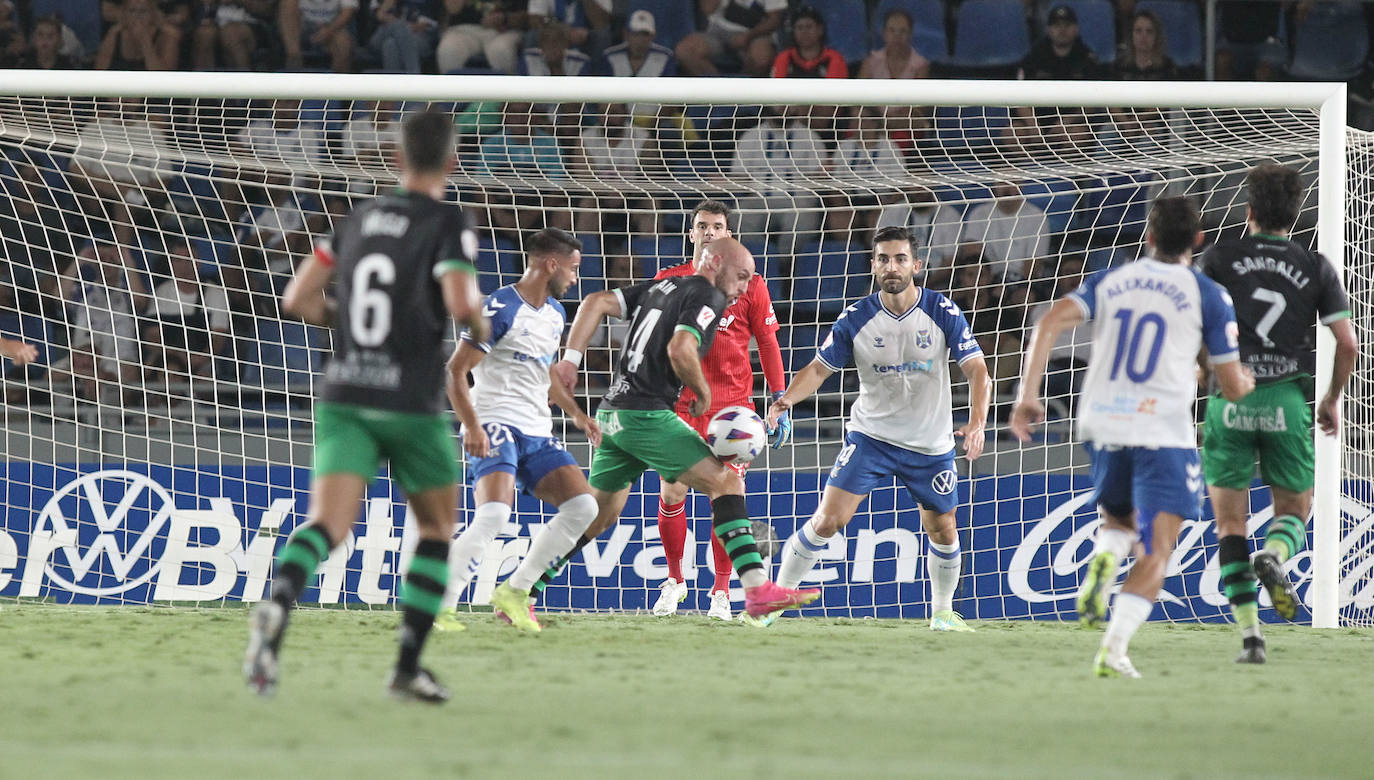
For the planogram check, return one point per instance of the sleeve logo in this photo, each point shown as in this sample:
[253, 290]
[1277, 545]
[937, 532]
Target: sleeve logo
[467, 240]
[705, 318]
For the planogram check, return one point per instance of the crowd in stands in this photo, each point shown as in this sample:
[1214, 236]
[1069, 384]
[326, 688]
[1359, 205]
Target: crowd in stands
[188, 263]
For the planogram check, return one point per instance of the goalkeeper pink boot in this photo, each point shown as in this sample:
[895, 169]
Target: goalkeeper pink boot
[771, 597]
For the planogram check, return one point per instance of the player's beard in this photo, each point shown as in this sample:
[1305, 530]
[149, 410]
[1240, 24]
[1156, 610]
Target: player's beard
[894, 285]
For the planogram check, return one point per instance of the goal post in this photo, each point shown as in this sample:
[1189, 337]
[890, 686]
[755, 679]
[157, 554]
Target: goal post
[235, 444]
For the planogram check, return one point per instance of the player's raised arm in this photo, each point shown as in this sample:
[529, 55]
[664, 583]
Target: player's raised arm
[975, 370]
[1066, 313]
[806, 382]
[590, 313]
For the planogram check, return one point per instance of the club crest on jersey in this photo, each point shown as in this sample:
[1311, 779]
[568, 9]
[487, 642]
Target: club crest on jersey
[923, 339]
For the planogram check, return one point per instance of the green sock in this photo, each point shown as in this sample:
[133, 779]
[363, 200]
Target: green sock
[730, 519]
[422, 594]
[1286, 537]
[297, 562]
[1238, 582]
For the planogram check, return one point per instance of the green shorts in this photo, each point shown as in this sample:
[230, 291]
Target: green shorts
[633, 441]
[354, 439]
[1273, 423]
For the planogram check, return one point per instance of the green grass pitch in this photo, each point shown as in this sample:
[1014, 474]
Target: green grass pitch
[151, 693]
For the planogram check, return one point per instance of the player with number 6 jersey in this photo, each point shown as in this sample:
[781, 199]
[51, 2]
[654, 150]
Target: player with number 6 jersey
[508, 430]
[402, 262]
[730, 375]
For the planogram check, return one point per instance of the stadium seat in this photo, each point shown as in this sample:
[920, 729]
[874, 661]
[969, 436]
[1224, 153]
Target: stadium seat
[969, 126]
[991, 33]
[673, 19]
[772, 265]
[661, 250]
[1330, 44]
[83, 16]
[1182, 29]
[927, 26]
[846, 27]
[798, 344]
[287, 353]
[820, 278]
[591, 275]
[1096, 24]
[1057, 197]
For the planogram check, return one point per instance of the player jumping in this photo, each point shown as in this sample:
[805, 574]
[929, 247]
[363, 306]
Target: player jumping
[1152, 318]
[731, 379]
[901, 339]
[403, 261]
[507, 427]
[1280, 291]
[673, 324]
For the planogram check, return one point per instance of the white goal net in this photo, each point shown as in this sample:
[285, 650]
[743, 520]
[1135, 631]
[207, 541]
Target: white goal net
[159, 448]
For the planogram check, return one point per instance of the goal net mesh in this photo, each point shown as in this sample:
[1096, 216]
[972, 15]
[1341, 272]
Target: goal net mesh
[159, 448]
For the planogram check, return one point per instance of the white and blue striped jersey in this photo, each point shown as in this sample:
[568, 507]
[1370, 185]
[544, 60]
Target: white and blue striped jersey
[903, 363]
[1150, 321]
[511, 384]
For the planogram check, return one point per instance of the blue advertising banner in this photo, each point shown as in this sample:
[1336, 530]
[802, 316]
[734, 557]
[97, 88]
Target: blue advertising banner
[141, 533]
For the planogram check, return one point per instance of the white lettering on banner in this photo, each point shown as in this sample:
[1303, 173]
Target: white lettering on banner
[602, 562]
[9, 558]
[500, 559]
[257, 559]
[377, 542]
[866, 552]
[217, 557]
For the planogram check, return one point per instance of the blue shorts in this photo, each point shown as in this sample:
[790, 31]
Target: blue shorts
[864, 463]
[529, 458]
[1165, 479]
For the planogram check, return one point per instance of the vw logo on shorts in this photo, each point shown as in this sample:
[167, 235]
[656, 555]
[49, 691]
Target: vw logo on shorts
[944, 482]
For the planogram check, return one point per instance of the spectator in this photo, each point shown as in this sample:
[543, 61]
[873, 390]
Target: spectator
[104, 293]
[1009, 232]
[45, 49]
[639, 56]
[864, 161]
[1142, 58]
[371, 135]
[897, 59]
[1060, 54]
[472, 28]
[142, 39]
[522, 150]
[610, 336]
[553, 56]
[772, 161]
[809, 57]
[740, 36]
[271, 236]
[12, 45]
[407, 31]
[1248, 45]
[187, 323]
[230, 31]
[572, 14]
[318, 26]
[934, 227]
[1068, 360]
[34, 241]
[282, 139]
[614, 150]
[119, 166]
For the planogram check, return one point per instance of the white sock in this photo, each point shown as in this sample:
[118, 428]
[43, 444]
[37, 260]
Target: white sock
[487, 521]
[1117, 541]
[799, 555]
[557, 538]
[943, 562]
[1129, 612]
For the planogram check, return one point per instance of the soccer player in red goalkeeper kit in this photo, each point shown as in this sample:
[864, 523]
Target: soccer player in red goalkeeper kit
[731, 377]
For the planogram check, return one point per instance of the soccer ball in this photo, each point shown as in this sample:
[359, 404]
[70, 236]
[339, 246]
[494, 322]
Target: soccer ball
[736, 434]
